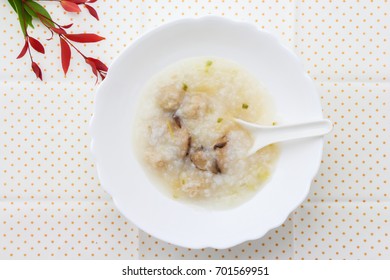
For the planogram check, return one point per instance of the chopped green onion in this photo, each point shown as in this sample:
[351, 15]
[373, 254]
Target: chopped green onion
[208, 65]
[245, 106]
[170, 130]
[185, 87]
[219, 120]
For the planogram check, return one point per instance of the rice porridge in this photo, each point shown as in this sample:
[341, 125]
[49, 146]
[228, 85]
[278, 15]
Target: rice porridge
[187, 140]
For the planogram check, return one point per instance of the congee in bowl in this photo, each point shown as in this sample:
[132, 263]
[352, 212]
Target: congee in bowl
[186, 138]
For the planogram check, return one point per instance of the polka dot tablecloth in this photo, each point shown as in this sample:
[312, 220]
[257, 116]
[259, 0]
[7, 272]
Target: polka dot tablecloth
[52, 205]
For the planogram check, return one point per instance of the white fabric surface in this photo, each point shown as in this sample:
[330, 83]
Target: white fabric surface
[51, 203]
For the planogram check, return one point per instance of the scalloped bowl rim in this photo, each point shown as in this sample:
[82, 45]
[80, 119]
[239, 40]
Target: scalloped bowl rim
[97, 124]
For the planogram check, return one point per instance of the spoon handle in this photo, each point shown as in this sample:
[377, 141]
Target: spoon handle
[266, 135]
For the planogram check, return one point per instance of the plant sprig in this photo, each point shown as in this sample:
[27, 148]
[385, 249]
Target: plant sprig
[29, 10]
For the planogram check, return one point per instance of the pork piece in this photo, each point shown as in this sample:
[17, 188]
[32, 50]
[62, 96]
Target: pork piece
[204, 160]
[221, 143]
[156, 160]
[170, 97]
[168, 142]
[194, 106]
[182, 139]
[220, 148]
[195, 191]
[215, 168]
[193, 186]
[231, 148]
[200, 159]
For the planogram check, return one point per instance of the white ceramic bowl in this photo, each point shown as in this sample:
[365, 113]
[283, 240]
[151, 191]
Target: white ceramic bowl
[123, 177]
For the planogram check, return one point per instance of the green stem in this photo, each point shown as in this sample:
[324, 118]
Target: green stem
[18, 4]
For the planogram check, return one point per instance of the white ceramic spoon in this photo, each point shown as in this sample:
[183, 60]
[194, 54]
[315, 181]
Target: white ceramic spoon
[266, 135]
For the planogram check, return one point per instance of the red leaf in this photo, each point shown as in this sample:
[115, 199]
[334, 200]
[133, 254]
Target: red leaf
[92, 11]
[78, 1]
[70, 7]
[36, 45]
[65, 55]
[84, 38]
[58, 30]
[67, 26]
[102, 75]
[93, 66]
[24, 50]
[99, 65]
[37, 70]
